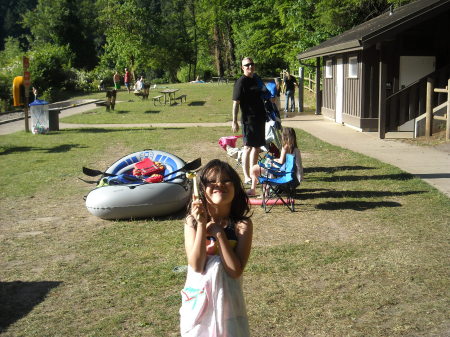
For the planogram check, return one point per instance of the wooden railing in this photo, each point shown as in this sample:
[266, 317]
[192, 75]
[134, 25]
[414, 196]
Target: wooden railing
[410, 102]
[429, 110]
[309, 82]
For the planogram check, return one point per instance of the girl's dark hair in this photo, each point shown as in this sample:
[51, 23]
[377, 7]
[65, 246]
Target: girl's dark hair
[289, 139]
[239, 207]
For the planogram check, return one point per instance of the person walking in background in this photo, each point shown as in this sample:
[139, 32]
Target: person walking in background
[127, 80]
[247, 95]
[218, 236]
[290, 82]
[116, 80]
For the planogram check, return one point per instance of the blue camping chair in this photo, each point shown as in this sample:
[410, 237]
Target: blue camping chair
[279, 184]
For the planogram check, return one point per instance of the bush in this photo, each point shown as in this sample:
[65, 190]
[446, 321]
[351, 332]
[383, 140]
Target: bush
[50, 67]
[50, 95]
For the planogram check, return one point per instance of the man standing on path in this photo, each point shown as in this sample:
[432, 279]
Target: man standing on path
[247, 97]
[290, 82]
[127, 80]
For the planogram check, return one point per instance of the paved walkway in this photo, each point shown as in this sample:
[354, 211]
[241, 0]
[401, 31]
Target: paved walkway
[432, 164]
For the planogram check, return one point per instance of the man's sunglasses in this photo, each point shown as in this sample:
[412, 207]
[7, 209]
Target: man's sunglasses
[249, 64]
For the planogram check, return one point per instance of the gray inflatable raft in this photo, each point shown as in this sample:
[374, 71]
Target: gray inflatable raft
[130, 201]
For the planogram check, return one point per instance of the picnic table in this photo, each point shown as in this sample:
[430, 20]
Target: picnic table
[220, 80]
[170, 93]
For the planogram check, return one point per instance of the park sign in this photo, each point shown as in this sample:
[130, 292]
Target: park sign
[26, 75]
[26, 79]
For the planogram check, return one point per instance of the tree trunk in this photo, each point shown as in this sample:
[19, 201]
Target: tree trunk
[231, 54]
[218, 52]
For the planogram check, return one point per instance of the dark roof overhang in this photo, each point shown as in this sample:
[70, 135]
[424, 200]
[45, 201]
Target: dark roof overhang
[381, 28]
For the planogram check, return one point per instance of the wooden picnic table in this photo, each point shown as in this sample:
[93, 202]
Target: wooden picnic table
[220, 80]
[170, 93]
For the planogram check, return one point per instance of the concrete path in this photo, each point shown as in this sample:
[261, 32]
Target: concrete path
[432, 164]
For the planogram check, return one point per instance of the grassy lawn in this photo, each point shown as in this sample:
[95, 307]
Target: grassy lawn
[366, 253]
[205, 102]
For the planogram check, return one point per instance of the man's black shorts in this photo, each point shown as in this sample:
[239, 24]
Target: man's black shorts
[253, 131]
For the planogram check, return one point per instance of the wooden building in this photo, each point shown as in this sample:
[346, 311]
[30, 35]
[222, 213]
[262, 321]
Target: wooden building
[374, 76]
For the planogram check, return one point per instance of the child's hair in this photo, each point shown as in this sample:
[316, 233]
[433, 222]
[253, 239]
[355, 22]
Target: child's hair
[239, 207]
[289, 139]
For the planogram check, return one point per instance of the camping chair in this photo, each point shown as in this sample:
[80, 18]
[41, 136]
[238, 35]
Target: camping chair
[279, 184]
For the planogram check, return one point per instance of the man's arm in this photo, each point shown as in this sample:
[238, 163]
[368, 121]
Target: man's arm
[234, 123]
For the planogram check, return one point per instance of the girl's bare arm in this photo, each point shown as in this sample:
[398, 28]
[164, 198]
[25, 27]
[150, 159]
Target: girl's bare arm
[195, 238]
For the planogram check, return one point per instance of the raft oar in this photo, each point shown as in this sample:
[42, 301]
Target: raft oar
[93, 173]
[193, 165]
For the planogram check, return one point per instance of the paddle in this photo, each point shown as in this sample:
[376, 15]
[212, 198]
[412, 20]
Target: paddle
[193, 165]
[93, 173]
[190, 166]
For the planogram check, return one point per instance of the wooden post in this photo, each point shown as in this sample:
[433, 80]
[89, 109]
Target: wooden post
[381, 95]
[300, 89]
[318, 94]
[447, 129]
[429, 108]
[26, 83]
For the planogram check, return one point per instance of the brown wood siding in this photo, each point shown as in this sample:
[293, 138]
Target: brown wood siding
[328, 88]
[352, 89]
[370, 86]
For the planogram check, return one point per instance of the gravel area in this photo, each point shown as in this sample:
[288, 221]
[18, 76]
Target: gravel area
[4, 117]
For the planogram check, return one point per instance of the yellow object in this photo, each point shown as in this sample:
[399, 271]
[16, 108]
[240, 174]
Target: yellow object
[193, 175]
[17, 83]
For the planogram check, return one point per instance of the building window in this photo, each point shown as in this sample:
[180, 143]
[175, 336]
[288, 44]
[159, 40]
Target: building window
[329, 69]
[353, 67]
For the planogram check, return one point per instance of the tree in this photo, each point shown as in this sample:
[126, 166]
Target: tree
[63, 22]
[10, 23]
[50, 66]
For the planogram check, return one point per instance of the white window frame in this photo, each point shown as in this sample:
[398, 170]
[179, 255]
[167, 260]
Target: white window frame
[329, 69]
[353, 67]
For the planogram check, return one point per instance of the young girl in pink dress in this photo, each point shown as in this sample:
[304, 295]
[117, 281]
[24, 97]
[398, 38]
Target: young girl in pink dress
[218, 238]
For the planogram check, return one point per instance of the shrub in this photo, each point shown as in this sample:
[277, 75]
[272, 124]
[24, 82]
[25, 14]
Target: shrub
[50, 66]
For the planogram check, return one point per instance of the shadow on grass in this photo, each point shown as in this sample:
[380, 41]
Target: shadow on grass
[336, 169]
[356, 205]
[197, 103]
[57, 149]
[303, 194]
[65, 148]
[18, 298]
[181, 215]
[400, 176]
[433, 175]
[106, 130]
[152, 112]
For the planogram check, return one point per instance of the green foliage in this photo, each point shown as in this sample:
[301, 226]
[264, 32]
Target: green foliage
[175, 40]
[10, 67]
[63, 22]
[50, 67]
[10, 23]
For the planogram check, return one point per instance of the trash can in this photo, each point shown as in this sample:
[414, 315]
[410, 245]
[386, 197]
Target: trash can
[39, 116]
[53, 119]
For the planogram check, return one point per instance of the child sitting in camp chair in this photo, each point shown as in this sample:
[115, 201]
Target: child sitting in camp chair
[289, 141]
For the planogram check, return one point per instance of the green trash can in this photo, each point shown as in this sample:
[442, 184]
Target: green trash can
[53, 119]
